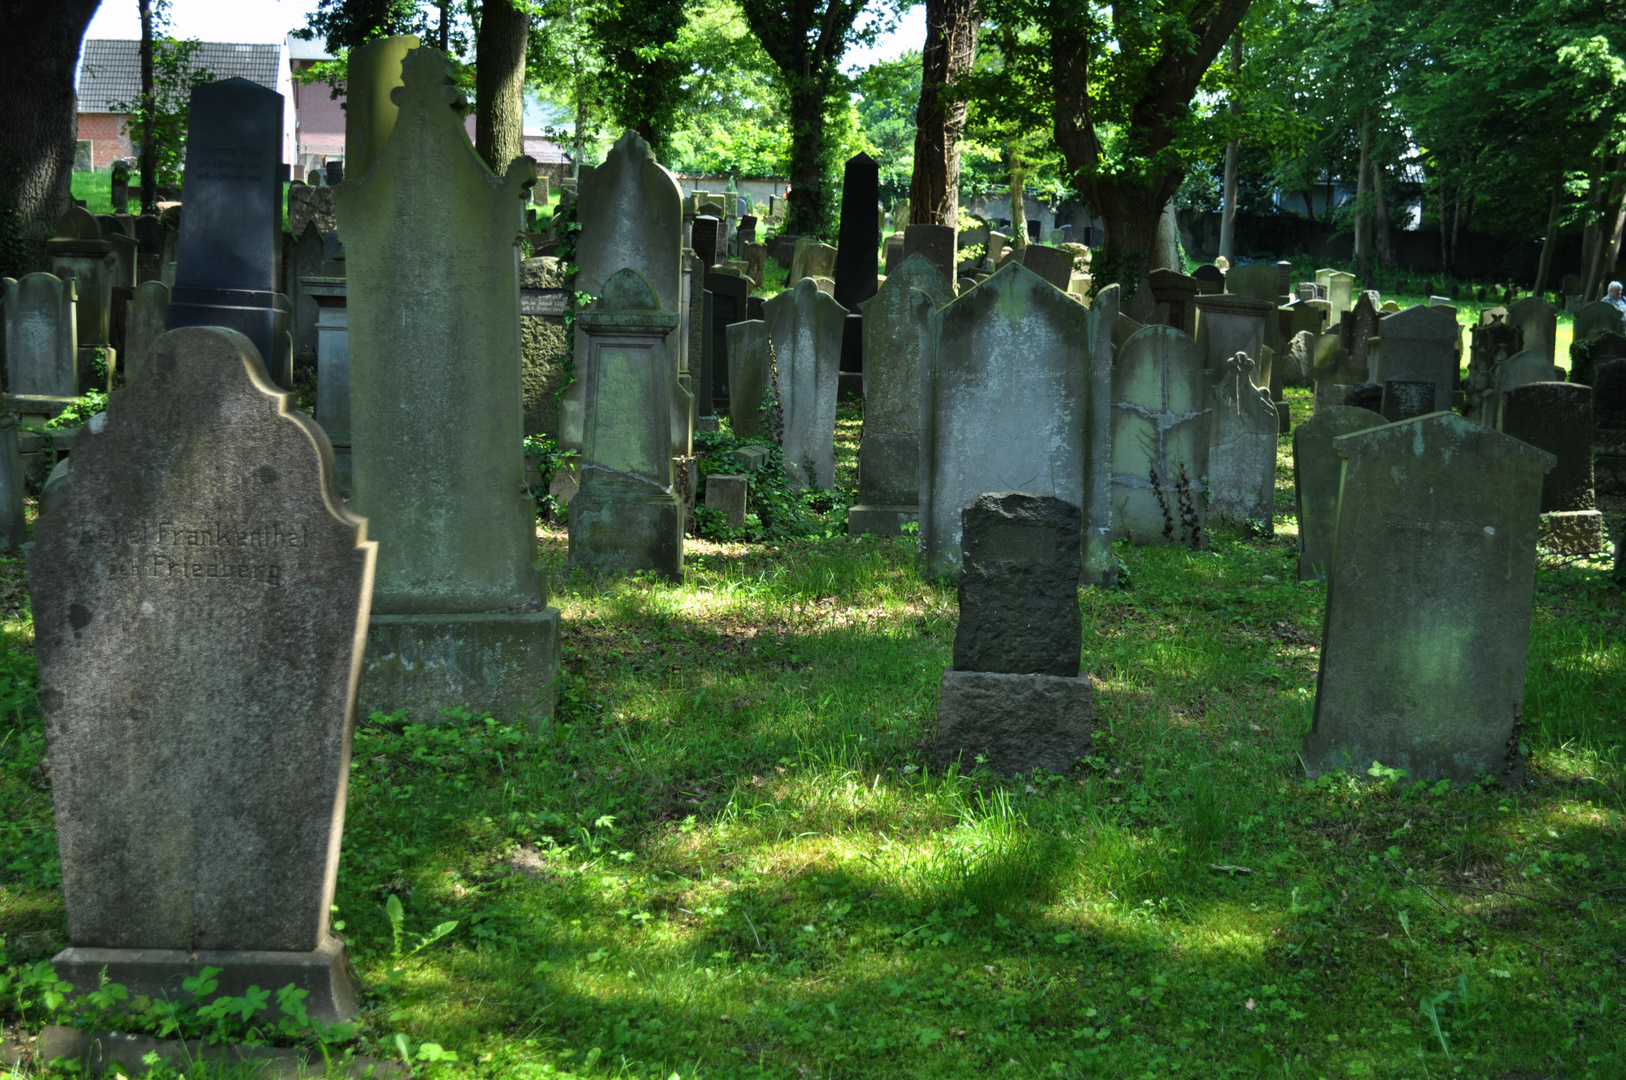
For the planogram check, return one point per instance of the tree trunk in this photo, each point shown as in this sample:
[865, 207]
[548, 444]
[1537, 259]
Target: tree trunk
[499, 82]
[38, 55]
[951, 42]
[1605, 242]
[445, 25]
[1544, 268]
[148, 163]
[1130, 213]
[807, 200]
[1380, 182]
[1233, 164]
[1363, 242]
[1445, 232]
[1019, 202]
[1309, 203]
[1612, 255]
[1456, 228]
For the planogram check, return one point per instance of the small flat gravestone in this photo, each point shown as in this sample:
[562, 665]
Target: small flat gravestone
[199, 750]
[1428, 607]
[1014, 699]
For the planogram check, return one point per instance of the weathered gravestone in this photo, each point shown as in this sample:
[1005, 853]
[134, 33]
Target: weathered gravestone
[804, 326]
[889, 454]
[1052, 264]
[80, 252]
[1609, 426]
[13, 520]
[1006, 391]
[1404, 399]
[1210, 279]
[1336, 373]
[749, 376]
[1013, 699]
[436, 418]
[1428, 605]
[1598, 318]
[729, 294]
[1586, 356]
[1316, 472]
[627, 516]
[1557, 417]
[860, 234]
[812, 259]
[226, 261]
[937, 243]
[1242, 452]
[41, 337]
[1162, 405]
[543, 303]
[372, 74]
[1228, 324]
[1538, 320]
[331, 297]
[1258, 281]
[1419, 344]
[1176, 296]
[1520, 369]
[728, 492]
[1298, 360]
[149, 310]
[199, 749]
[1358, 327]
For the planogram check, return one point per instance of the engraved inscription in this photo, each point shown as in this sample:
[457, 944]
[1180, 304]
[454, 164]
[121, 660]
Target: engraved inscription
[199, 550]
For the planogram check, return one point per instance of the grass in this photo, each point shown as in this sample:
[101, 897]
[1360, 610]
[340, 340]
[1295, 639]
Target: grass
[730, 855]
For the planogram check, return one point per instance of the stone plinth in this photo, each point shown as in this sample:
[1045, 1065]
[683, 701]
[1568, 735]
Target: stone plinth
[1013, 723]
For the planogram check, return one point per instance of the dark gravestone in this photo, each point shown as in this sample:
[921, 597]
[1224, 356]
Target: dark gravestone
[1587, 356]
[1366, 396]
[705, 235]
[335, 172]
[782, 249]
[857, 246]
[747, 230]
[1405, 398]
[936, 242]
[852, 351]
[1609, 426]
[225, 270]
[705, 407]
[753, 307]
[1052, 264]
[1019, 585]
[200, 599]
[1210, 279]
[728, 296]
[1555, 417]
[1177, 294]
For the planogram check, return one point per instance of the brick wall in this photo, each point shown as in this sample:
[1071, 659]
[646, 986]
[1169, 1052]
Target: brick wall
[106, 131]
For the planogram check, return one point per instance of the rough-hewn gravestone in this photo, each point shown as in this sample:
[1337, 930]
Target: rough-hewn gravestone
[937, 243]
[1557, 417]
[1538, 320]
[41, 337]
[804, 326]
[1162, 404]
[226, 261]
[1013, 699]
[148, 315]
[1406, 398]
[860, 233]
[627, 516]
[1005, 404]
[199, 750]
[371, 75]
[889, 455]
[1316, 471]
[1358, 327]
[749, 377]
[436, 418]
[1428, 606]
[1242, 452]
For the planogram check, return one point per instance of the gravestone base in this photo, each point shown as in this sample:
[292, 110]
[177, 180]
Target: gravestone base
[1017, 723]
[877, 520]
[623, 525]
[1573, 532]
[705, 423]
[157, 973]
[502, 663]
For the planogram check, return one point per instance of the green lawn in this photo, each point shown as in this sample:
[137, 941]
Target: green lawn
[731, 855]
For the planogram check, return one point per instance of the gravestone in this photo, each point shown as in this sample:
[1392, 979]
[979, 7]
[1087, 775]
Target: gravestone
[1052, 264]
[1259, 281]
[937, 244]
[544, 344]
[728, 306]
[889, 454]
[812, 260]
[1242, 452]
[1005, 403]
[148, 316]
[1340, 290]
[1585, 356]
[747, 232]
[705, 379]
[892, 248]
[705, 237]
[1162, 406]
[80, 253]
[1013, 699]
[756, 261]
[13, 511]
[372, 74]
[1539, 322]
[1335, 372]
[1210, 279]
[41, 337]
[804, 328]
[1404, 399]
[302, 257]
[1359, 326]
[627, 517]
[727, 492]
[226, 259]
[1298, 360]
[1557, 417]
[330, 295]
[1316, 471]
[1367, 396]
[860, 234]
[1419, 344]
[1228, 324]
[436, 420]
[1598, 318]
[1437, 522]
[1520, 369]
[1609, 427]
[749, 376]
[1176, 296]
[199, 749]
[311, 207]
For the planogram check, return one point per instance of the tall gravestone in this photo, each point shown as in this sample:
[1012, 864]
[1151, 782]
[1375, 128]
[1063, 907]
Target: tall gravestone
[1358, 327]
[804, 327]
[860, 236]
[1340, 290]
[79, 251]
[460, 616]
[1316, 471]
[371, 75]
[889, 454]
[149, 312]
[729, 293]
[1557, 417]
[1100, 564]
[1419, 343]
[705, 237]
[1229, 324]
[200, 749]
[331, 297]
[1005, 402]
[937, 243]
[544, 302]
[1538, 321]
[1428, 608]
[1242, 452]
[42, 341]
[627, 516]
[1162, 406]
[1258, 281]
[226, 261]
[13, 513]
[749, 376]
[1014, 700]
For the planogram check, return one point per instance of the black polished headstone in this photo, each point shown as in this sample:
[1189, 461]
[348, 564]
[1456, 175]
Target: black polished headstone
[231, 232]
[728, 306]
[705, 236]
[859, 242]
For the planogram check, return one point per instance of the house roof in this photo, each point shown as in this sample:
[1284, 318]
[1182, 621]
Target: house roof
[110, 72]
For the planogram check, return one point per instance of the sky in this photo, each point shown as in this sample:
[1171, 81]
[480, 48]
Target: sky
[266, 21]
